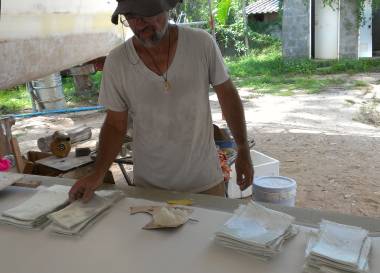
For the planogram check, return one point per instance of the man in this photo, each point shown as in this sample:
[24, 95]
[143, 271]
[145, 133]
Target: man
[160, 77]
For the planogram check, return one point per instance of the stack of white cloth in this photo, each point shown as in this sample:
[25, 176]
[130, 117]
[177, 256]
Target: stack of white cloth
[73, 219]
[256, 230]
[337, 248]
[32, 213]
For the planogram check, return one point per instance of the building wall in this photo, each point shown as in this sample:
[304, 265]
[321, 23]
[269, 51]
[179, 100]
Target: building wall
[296, 29]
[376, 31]
[349, 33]
[270, 17]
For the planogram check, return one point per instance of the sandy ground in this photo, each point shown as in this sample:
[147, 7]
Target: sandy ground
[334, 159]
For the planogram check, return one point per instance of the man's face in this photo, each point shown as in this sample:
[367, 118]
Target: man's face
[149, 30]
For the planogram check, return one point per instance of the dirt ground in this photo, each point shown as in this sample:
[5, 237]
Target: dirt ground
[334, 158]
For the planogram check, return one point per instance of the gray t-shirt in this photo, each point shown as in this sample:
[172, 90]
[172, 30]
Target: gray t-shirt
[173, 139]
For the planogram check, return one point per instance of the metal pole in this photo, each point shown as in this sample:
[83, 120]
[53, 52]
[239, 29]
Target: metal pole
[29, 87]
[212, 21]
[59, 111]
[245, 24]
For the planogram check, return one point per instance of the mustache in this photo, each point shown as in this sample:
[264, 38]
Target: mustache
[141, 31]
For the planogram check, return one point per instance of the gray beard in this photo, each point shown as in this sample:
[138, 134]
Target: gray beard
[156, 38]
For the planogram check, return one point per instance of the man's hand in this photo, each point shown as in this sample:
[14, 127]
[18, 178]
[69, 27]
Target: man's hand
[110, 140]
[85, 187]
[233, 111]
[244, 168]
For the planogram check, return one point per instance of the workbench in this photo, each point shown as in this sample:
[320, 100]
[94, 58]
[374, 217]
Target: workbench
[117, 243]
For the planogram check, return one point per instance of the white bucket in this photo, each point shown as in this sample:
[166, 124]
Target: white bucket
[275, 189]
[263, 166]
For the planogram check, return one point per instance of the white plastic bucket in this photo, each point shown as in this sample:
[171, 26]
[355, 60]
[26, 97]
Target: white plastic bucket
[263, 165]
[275, 189]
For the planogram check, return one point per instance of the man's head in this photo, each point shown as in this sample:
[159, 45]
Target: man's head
[148, 19]
[143, 8]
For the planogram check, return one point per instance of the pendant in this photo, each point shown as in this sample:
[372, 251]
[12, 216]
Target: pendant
[167, 86]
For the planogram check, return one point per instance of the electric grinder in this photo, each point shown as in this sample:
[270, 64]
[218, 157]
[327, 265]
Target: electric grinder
[61, 144]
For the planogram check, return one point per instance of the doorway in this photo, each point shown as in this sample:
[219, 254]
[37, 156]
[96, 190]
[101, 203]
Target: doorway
[365, 32]
[376, 33]
[326, 30]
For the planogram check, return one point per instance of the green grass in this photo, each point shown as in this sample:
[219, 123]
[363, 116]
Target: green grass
[14, 100]
[90, 98]
[287, 85]
[265, 71]
[360, 84]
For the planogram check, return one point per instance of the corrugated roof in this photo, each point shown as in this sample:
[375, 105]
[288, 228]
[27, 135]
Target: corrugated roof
[263, 6]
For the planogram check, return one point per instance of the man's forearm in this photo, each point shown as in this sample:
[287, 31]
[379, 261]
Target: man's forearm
[232, 109]
[110, 142]
[233, 112]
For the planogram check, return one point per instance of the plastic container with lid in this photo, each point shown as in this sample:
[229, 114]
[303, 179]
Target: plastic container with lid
[275, 189]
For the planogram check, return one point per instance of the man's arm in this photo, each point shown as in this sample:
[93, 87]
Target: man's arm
[233, 111]
[110, 140]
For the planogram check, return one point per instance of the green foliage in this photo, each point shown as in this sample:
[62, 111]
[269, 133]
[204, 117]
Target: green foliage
[89, 98]
[195, 10]
[223, 10]
[231, 31]
[231, 37]
[14, 100]
[265, 27]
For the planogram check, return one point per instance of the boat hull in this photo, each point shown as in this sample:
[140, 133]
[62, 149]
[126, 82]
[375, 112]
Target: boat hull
[40, 37]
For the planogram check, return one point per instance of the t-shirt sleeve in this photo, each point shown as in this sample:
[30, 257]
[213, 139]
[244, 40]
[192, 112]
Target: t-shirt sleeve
[111, 95]
[217, 68]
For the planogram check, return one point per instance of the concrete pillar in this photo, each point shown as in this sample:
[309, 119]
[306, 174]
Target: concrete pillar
[349, 32]
[296, 29]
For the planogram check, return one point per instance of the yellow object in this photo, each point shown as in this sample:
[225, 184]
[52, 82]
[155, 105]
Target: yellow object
[182, 202]
[61, 144]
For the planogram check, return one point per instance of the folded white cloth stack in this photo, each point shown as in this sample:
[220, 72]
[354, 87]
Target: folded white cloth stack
[256, 230]
[32, 213]
[337, 248]
[73, 219]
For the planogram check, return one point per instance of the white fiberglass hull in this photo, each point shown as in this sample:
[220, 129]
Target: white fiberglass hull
[40, 37]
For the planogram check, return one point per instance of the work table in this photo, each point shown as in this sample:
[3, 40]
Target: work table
[116, 243]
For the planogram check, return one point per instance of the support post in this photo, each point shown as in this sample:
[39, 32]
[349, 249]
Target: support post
[212, 21]
[245, 24]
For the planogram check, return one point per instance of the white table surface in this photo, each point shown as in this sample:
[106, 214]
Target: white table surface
[117, 244]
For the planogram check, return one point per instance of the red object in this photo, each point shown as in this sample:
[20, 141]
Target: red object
[5, 164]
[98, 63]
[224, 165]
